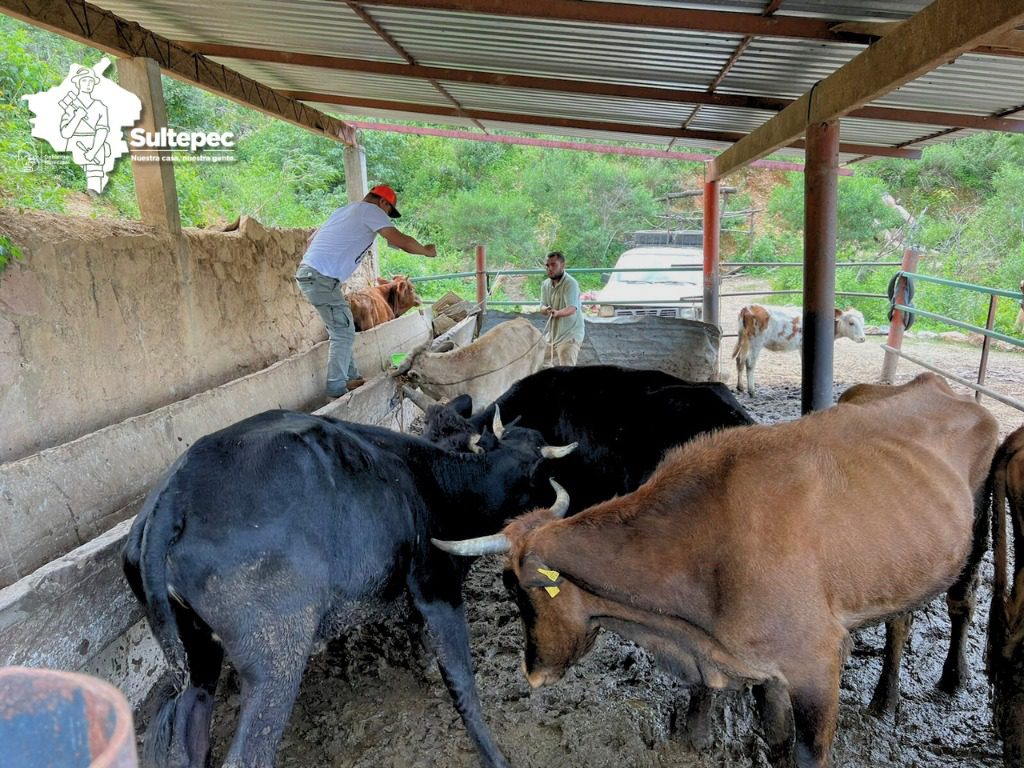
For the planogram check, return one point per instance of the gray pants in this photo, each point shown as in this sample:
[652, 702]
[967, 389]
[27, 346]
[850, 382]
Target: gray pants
[324, 293]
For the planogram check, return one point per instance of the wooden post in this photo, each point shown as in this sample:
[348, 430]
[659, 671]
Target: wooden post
[712, 255]
[820, 215]
[895, 338]
[154, 181]
[993, 301]
[356, 187]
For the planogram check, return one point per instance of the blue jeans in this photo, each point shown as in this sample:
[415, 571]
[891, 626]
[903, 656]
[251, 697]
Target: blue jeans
[324, 293]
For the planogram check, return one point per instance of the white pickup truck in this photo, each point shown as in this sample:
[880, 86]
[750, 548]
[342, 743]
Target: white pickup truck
[642, 291]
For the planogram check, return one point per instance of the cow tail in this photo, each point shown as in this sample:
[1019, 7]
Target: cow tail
[163, 525]
[997, 625]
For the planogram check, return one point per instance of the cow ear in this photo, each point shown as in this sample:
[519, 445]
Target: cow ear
[382, 281]
[534, 574]
[462, 405]
[839, 313]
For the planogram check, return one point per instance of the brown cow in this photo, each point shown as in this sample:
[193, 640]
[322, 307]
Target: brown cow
[377, 304]
[751, 553]
[1006, 619]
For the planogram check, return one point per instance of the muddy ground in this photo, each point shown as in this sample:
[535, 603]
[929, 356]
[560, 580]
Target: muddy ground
[374, 698]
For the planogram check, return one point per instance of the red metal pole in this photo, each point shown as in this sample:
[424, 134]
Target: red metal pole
[820, 215]
[895, 339]
[712, 255]
[481, 277]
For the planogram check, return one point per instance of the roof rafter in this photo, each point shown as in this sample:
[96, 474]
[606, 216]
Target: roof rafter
[665, 17]
[562, 122]
[938, 33]
[383, 35]
[108, 32]
[653, 93]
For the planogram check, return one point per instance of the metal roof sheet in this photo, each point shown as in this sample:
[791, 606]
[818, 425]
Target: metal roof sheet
[575, 51]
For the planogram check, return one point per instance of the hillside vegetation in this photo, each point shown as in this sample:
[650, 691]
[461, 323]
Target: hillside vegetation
[522, 202]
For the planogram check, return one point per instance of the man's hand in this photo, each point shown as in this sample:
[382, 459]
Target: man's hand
[547, 311]
[430, 251]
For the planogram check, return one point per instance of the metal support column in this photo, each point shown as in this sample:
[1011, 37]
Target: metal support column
[712, 239]
[820, 201]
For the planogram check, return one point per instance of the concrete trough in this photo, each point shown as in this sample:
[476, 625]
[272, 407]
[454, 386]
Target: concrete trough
[66, 511]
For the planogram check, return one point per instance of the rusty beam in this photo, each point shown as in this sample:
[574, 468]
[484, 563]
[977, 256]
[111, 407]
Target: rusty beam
[659, 16]
[108, 32]
[940, 32]
[652, 93]
[575, 123]
[382, 33]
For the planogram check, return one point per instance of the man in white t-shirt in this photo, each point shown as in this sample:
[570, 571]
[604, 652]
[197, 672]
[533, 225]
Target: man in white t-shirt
[334, 252]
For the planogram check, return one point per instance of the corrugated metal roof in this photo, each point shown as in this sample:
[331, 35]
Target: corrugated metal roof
[574, 52]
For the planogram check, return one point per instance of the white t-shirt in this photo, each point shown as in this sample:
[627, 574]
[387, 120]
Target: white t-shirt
[340, 244]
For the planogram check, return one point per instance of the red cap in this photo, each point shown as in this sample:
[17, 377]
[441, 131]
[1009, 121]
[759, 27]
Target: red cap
[385, 192]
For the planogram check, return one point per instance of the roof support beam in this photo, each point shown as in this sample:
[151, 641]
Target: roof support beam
[563, 122]
[940, 32]
[626, 14]
[664, 17]
[561, 85]
[1008, 43]
[108, 32]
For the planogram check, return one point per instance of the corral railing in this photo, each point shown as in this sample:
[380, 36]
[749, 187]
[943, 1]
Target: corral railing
[904, 312]
[901, 311]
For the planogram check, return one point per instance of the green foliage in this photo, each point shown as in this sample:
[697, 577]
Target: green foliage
[8, 252]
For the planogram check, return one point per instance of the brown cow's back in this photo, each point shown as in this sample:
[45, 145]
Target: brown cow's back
[842, 510]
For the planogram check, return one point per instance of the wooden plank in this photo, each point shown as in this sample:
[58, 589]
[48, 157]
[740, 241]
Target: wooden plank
[939, 33]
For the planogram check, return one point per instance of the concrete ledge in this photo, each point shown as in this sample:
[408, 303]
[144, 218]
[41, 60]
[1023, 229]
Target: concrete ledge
[77, 613]
[62, 497]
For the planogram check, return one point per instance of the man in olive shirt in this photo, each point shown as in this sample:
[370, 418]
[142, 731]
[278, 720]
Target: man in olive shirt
[560, 295]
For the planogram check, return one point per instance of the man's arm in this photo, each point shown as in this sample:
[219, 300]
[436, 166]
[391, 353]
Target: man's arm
[406, 243]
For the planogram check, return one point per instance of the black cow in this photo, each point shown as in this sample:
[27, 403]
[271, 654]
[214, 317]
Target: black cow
[624, 420]
[285, 529]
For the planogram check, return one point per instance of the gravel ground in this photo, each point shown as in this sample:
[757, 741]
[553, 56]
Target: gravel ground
[374, 698]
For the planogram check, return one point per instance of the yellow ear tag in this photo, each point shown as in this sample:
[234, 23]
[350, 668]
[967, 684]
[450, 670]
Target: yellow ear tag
[552, 575]
[552, 590]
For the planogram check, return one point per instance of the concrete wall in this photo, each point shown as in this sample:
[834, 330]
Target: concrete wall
[106, 319]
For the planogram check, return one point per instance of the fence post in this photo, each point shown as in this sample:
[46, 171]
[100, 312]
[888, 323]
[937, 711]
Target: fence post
[985, 343]
[481, 285]
[911, 256]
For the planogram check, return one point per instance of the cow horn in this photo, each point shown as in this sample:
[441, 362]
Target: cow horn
[474, 443]
[421, 399]
[561, 505]
[496, 544]
[557, 451]
[496, 426]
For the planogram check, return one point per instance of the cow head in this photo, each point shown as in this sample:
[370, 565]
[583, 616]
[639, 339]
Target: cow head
[402, 295]
[850, 324]
[557, 626]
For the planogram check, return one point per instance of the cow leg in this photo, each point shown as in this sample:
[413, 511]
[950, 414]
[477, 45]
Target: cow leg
[776, 712]
[813, 684]
[887, 692]
[179, 734]
[961, 601]
[439, 602]
[270, 660]
[698, 717]
[739, 373]
[751, 363]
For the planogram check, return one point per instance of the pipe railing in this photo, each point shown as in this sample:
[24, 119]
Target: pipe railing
[987, 333]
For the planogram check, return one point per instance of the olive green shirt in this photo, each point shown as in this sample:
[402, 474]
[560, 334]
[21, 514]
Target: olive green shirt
[565, 294]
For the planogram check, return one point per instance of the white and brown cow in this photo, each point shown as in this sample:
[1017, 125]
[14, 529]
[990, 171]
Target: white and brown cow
[780, 329]
[752, 553]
